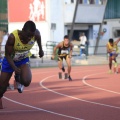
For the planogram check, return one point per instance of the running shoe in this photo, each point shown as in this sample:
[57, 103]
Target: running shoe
[115, 64]
[69, 77]
[19, 86]
[110, 71]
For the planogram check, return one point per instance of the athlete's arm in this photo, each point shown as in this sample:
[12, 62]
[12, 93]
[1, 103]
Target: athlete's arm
[9, 51]
[38, 38]
[55, 48]
[116, 42]
[108, 50]
[71, 49]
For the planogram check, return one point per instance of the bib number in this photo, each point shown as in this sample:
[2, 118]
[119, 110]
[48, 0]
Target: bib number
[64, 52]
[20, 55]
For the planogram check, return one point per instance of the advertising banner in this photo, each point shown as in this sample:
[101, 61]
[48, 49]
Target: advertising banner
[23, 10]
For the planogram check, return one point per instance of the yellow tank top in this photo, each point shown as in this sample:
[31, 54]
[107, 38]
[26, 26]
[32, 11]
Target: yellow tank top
[113, 48]
[21, 50]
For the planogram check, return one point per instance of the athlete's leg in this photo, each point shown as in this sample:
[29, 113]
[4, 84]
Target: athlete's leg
[60, 65]
[115, 63]
[26, 75]
[68, 61]
[81, 51]
[111, 58]
[60, 62]
[4, 82]
[110, 62]
[115, 56]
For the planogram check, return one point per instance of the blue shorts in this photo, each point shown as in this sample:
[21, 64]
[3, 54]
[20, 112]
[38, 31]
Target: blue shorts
[110, 54]
[7, 68]
[1, 60]
[113, 54]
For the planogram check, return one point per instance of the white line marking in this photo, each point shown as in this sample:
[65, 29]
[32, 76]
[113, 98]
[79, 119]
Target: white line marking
[15, 111]
[84, 81]
[74, 97]
[75, 118]
[40, 109]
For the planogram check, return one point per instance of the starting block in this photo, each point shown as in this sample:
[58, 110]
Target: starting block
[61, 76]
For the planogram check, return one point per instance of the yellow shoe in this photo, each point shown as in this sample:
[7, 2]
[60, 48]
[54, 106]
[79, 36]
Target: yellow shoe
[110, 71]
[115, 64]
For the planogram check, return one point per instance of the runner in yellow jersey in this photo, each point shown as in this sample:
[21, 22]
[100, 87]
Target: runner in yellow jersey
[112, 50]
[17, 53]
[64, 52]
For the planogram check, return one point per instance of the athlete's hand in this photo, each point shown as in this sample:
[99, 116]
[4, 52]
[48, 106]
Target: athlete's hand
[53, 57]
[69, 56]
[17, 70]
[41, 53]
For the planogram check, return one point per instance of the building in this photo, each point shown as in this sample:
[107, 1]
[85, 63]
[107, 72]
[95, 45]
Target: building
[3, 17]
[54, 19]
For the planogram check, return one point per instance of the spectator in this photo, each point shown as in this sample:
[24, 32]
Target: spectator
[83, 41]
[3, 43]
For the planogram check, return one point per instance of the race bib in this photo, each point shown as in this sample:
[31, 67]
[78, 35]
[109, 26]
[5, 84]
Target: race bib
[64, 51]
[114, 49]
[20, 55]
[113, 52]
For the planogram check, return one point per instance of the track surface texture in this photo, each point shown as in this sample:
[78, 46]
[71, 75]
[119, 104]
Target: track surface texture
[93, 94]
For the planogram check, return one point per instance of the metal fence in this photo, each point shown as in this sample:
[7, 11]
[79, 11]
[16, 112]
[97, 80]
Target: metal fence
[49, 46]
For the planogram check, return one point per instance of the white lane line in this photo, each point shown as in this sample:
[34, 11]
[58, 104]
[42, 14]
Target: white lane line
[16, 111]
[84, 81]
[40, 109]
[41, 84]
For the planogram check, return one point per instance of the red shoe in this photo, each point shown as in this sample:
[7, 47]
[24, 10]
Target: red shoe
[1, 106]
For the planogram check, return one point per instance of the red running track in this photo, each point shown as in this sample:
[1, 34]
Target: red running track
[92, 95]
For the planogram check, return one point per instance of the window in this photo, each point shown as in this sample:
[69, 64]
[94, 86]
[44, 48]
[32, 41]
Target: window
[86, 1]
[68, 1]
[72, 1]
[80, 1]
[100, 2]
[97, 2]
[117, 33]
[103, 2]
[91, 2]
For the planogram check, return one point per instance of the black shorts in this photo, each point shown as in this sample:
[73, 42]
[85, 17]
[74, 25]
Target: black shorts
[60, 58]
